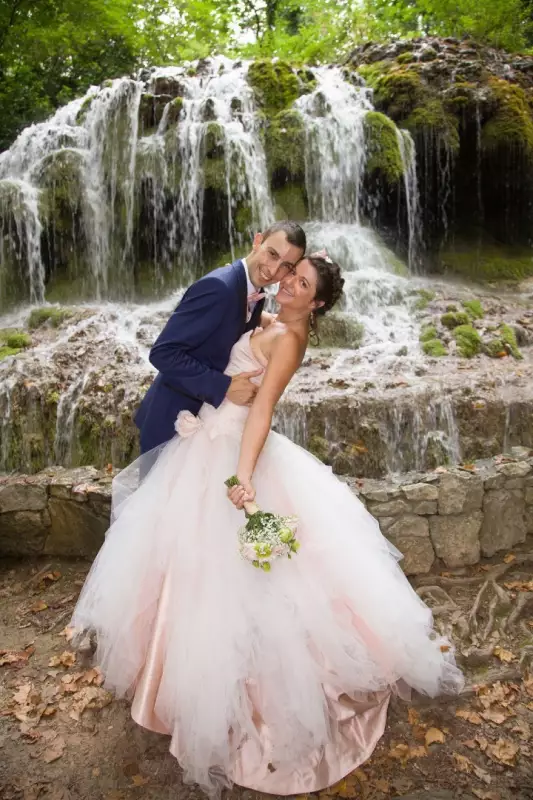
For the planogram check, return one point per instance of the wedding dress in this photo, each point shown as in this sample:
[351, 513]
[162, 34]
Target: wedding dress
[277, 681]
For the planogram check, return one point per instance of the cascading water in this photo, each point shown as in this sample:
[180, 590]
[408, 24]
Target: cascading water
[335, 151]
[150, 159]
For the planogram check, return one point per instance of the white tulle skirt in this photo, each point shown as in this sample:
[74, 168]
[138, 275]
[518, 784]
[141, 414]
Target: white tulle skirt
[278, 681]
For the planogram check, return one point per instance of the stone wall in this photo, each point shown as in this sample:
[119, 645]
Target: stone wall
[451, 517]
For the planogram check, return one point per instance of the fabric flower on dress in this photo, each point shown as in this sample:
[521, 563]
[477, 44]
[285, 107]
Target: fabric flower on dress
[187, 424]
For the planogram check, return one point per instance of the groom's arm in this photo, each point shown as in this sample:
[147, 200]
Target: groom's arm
[199, 314]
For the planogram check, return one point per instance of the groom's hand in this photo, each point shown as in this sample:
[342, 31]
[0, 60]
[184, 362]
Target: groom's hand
[241, 390]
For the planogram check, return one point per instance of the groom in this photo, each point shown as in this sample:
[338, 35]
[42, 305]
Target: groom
[194, 347]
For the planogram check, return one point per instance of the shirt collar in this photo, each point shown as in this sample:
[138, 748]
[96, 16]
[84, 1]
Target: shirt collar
[251, 288]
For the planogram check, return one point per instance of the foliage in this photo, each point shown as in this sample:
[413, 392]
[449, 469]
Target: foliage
[52, 50]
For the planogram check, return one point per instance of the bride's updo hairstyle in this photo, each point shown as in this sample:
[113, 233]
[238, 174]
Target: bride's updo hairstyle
[329, 286]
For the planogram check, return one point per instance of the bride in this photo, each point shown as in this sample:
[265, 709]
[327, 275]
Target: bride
[276, 681]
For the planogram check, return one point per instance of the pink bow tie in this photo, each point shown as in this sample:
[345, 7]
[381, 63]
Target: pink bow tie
[255, 296]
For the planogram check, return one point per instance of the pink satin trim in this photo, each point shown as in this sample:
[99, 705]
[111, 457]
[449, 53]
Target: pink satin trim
[357, 723]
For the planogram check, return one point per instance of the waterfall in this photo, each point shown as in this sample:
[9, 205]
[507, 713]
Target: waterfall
[335, 151]
[412, 197]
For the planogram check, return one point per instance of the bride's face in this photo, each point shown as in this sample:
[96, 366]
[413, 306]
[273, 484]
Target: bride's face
[298, 289]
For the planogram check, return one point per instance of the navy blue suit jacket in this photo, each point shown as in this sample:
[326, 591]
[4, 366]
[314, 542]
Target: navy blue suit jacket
[193, 351]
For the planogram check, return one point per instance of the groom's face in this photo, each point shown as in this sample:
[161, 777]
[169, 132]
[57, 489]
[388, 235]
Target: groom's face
[272, 259]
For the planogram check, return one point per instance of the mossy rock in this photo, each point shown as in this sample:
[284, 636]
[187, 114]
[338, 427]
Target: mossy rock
[431, 116]
[214, 140]
[215, 174]
[397, 89]
[468, 340]
[84, 110]
[508, 337]
[382, 147]
[452, 319]
[275, 85]
[490, 264]
[339, 330]
[174, 111]
[434, 347]
[17, 340]
[48, 314]
[320, 448]
[425, 296]
[61, 178]
[243, 219]
[285, 144]
[6, 351]
[428, 333]
[474, 308]
[290, 203]
[495, 348]
[511, 124]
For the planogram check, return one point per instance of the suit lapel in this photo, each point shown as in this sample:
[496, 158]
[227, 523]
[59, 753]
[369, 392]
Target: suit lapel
[242, 290]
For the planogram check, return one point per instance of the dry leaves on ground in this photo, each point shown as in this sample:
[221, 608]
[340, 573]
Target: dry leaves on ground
[16, 657]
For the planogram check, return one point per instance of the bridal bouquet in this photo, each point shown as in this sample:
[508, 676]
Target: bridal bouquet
[265, 536]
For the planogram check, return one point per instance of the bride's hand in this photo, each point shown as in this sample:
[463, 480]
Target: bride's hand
[241, 494]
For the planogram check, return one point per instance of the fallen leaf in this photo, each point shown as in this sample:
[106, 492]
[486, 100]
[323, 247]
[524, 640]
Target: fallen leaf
[382, 785]
[503, 751]
[89, 697]
[486, 795]
[417, 752]
[413, 716]
[22, 693]
[504, 655]
[444, 648]
[497, 716]
[55, 750]
[16, 656]
[470, 716]
[462, 762]
[96, 772]
[66, 659]
[434, 736]
[509, 558]
[40, 605]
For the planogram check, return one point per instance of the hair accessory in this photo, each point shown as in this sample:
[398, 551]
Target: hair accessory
[323, 254]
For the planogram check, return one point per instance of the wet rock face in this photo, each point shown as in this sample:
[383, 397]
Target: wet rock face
[469, 109]
[448, 517]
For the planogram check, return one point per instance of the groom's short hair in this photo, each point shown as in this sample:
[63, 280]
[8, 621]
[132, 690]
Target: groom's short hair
[294, 232]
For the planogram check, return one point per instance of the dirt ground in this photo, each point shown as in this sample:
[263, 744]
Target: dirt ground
[63, 737]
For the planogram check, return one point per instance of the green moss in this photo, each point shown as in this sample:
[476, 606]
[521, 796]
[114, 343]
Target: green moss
[434, 347]
[290, 203]
[405, 58]
[382, 147]
[452, 319]
[214, 140]
[340, 330]
[215, 174]
[275, 85]
[398, 89]
[495, 348]
[52, 398]
[6, 351]
[18, 341]
[511, 123]
[474, 308]
[424, 299]
[431, 116]
[468, 340]
[285, 144]
[508, 337]
[84, 109]
[48, 314]
[428, 333]
[243, 219]
[320, 448]
[174, 111]
[490, 264]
